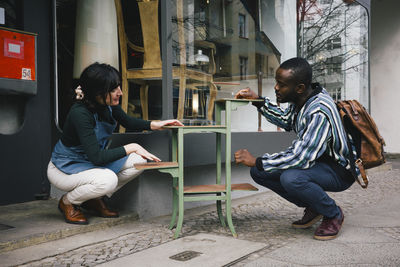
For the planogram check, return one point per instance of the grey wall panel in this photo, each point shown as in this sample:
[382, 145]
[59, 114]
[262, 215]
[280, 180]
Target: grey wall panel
[25, 154]
[150, 194]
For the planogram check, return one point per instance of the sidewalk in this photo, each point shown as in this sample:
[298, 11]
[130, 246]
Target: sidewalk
[370, 234]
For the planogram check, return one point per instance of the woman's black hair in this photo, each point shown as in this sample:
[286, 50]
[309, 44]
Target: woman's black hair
[98, 80]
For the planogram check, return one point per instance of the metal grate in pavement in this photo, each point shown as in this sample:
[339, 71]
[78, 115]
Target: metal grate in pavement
[185, 255]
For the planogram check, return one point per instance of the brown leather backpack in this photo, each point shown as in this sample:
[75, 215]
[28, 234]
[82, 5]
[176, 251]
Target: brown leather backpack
[362, 130]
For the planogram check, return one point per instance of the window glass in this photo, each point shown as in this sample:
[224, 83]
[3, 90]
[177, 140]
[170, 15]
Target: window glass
[218, 47]
[88, 31]
[333, 36]
[244, 43]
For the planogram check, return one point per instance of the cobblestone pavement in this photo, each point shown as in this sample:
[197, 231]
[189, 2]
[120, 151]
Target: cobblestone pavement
[263, 218]
[145, 236]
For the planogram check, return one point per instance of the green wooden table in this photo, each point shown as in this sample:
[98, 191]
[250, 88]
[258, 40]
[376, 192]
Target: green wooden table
[219, 191]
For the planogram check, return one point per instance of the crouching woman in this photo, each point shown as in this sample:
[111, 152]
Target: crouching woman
[80, 164]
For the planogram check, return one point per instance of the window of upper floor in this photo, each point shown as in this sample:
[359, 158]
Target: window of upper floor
[242, 26]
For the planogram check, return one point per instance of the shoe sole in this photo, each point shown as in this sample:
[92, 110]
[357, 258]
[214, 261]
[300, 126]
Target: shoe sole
[325, 238]
[309, 224]
[72, 222]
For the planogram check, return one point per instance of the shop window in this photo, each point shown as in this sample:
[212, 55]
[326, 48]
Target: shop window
[220, 46]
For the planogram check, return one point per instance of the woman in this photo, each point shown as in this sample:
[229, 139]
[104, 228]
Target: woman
[81, 164]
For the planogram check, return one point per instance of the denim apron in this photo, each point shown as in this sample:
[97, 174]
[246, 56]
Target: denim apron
[73, 159]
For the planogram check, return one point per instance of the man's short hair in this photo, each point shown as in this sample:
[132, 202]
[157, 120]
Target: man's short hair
[301, 69]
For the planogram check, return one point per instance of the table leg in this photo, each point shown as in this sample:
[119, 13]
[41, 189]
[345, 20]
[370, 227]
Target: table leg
[180, 184]
[228, 211]
[174, 202]
[174, 181]
[218, 179]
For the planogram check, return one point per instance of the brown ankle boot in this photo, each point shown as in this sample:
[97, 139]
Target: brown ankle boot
[72, 213]
[329, 228]
[99, 207]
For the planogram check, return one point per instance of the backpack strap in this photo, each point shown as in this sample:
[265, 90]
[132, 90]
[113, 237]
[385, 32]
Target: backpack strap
[364, 182]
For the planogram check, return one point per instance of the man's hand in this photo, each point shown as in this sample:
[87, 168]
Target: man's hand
[246, 93]
[243, 156]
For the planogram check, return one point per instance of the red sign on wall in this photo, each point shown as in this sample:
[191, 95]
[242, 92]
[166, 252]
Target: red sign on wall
[17, 55]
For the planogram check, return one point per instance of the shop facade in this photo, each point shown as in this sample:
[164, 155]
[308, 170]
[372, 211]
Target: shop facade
[176, 58]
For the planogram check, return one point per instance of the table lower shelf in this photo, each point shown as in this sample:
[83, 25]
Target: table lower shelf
[156, 165]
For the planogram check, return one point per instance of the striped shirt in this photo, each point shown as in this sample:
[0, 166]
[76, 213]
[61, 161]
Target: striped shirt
[319, 131]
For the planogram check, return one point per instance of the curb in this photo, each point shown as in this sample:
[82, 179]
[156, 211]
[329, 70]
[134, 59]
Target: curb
[69, 230]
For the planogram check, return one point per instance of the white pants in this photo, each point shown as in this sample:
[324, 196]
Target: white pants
[93, 183]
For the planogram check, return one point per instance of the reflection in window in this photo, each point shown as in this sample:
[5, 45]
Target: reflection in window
[244, 41]
[333, 36]
[334, 43]
[243, 67]
[242, 26]
[335, 93]
[334, 65]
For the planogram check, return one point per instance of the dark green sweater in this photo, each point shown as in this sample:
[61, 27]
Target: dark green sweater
[79, 130]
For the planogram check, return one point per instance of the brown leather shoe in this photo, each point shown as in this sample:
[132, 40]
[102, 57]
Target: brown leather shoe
[72, 213]
[310, 217]
[99, 207]
[329, 228]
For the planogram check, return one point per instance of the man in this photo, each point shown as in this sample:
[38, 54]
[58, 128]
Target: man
[317, 161]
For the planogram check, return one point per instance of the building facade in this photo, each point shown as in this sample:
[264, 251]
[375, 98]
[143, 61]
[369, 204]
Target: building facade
[199, 51]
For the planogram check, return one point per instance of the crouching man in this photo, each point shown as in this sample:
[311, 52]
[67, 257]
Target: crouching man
[317, 161]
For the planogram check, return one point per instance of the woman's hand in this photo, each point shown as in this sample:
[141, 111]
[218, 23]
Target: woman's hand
[158, 125]
[246, 93]
[135, 148]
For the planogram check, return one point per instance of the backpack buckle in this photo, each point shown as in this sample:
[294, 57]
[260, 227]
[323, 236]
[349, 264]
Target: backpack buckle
[365, 180]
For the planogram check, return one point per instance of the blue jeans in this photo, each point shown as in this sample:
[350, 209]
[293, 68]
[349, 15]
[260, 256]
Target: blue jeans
[305, 187]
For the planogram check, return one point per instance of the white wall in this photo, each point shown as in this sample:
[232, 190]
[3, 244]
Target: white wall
[385, 71]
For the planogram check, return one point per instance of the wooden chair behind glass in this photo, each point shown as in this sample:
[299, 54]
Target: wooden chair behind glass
[152, 64]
